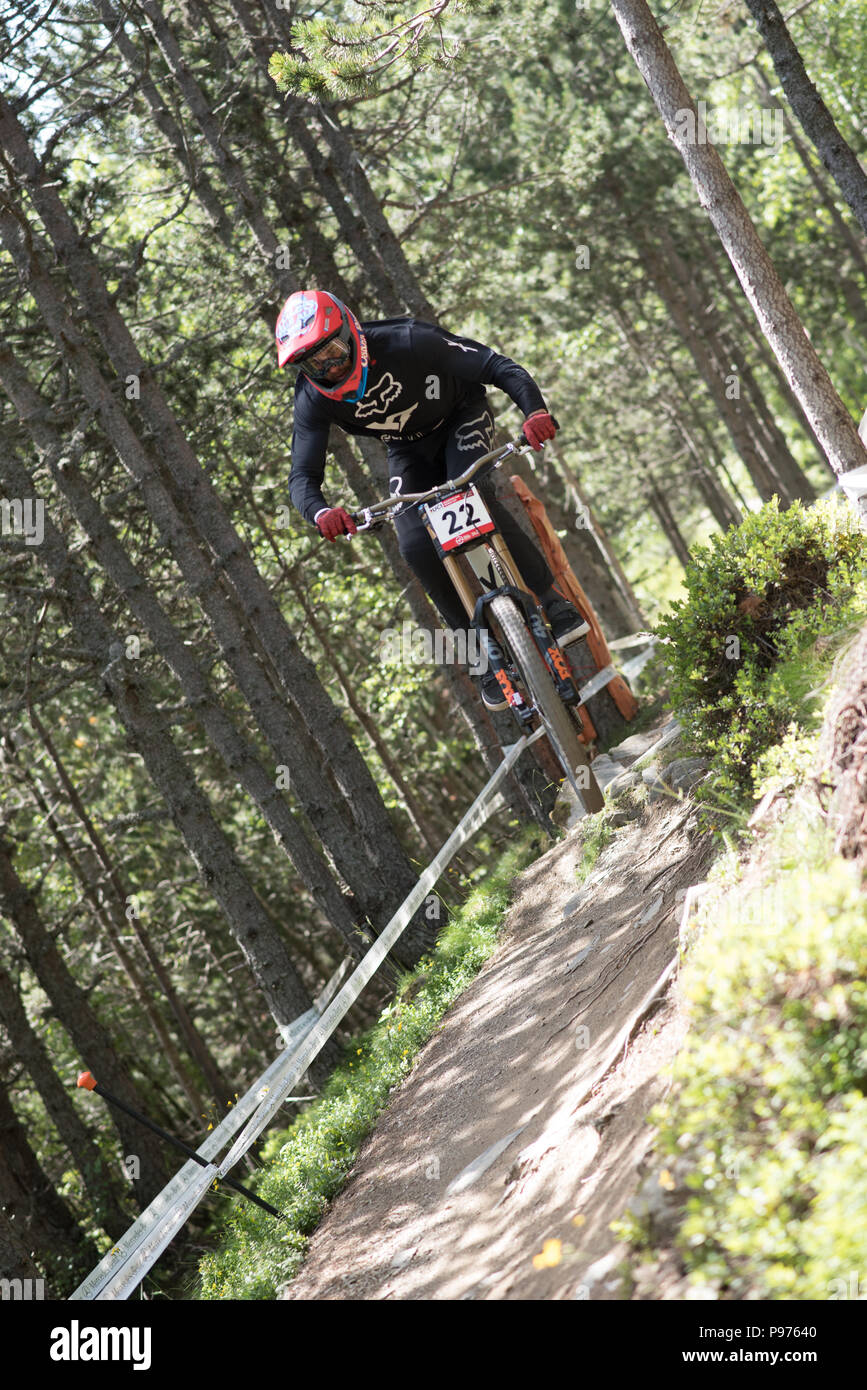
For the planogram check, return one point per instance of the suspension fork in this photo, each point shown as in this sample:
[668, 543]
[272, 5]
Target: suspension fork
[548, 649]
[551, 650]
[502, 566]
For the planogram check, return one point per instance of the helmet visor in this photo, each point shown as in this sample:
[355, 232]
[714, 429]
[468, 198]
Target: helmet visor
[329, 364]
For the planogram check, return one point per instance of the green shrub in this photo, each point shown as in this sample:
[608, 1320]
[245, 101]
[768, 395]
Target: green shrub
[757, 598]
[767, 1117]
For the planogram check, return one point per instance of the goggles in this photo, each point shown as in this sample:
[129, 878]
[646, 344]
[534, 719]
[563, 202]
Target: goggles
[321, 364]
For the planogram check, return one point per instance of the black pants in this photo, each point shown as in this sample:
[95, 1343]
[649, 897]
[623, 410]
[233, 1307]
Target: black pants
[446, 454]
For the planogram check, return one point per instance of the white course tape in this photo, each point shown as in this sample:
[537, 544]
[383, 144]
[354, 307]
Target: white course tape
[152, 1242]
[636, 639]
[118, 1273]
[597, 682]
[854, 484]
[366, 968]
[636, 664]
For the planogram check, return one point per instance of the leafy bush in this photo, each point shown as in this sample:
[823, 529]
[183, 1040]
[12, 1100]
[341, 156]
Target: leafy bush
[767, 1119]
[757, 597]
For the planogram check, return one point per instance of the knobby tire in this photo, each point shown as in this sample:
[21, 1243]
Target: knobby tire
[555, 715]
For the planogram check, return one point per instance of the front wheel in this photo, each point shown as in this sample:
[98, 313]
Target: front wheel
[559, 724]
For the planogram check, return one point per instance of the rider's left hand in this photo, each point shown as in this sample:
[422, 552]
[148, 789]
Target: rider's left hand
[538, 428]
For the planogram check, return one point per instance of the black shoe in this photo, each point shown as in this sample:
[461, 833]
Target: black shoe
[492, 692]
[567, 624]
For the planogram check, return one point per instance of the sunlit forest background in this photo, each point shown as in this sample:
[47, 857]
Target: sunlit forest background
[212, 788]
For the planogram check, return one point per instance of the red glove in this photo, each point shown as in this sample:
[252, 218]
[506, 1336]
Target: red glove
[335, 522]
[538, 427]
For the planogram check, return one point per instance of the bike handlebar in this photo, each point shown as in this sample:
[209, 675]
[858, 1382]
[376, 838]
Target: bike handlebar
[366, 517]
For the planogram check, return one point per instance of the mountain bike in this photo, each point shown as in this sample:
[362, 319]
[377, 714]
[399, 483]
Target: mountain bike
[529, 664]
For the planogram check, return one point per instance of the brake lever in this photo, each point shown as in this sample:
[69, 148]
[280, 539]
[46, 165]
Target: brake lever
[366, 521]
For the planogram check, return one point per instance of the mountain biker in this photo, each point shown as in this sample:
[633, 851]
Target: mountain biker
[421, 390]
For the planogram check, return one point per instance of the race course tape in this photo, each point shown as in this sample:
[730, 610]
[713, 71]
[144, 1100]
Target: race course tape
[321, 1031]
[854, 484]
[123, 1268]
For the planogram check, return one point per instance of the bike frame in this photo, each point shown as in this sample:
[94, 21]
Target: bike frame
[489, 558]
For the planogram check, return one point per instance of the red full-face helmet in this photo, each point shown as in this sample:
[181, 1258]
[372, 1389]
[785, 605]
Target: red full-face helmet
[319, 336]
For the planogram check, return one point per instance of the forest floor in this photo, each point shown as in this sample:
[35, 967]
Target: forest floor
[521, 1131]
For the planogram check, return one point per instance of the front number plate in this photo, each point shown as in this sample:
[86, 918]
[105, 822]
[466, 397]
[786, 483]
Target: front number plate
[460, 518]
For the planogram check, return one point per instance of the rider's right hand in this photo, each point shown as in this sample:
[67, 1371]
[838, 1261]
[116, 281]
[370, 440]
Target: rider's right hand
[335, 522]
[538, 428]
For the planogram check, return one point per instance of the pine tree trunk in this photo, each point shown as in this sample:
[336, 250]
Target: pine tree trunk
[41, 1220]
[285, 192]
[70, 1003]
[203, 188]
[722, 385]
[690, 408]
[110, 916]
[353, 230]
[355, 182]
[776, 315]
[853, 295]
[228, 164]
[721, 268]
[720, 505]
[664, 515]
[151, 737]
[718, 338]
[722, 508]
[357, 831]
[240, 758]
[15, 1259]
[818, 123]
[30, 1053]
[166, 123]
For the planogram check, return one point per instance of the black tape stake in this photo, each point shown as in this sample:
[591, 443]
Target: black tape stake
[89, 1084]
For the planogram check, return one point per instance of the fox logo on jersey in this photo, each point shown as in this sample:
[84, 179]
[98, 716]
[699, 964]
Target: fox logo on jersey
[379, 397]
[377, 400]
[475, 434]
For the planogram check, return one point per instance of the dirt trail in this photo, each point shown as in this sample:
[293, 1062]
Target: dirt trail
[527, 1109]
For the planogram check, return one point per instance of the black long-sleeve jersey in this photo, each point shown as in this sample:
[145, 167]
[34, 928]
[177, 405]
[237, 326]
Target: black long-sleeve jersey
[418, 376]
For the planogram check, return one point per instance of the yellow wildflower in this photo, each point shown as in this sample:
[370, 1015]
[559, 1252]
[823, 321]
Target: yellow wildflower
[551, 1255]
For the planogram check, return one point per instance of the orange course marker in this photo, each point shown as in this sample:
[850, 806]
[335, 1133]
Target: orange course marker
[88, 1081]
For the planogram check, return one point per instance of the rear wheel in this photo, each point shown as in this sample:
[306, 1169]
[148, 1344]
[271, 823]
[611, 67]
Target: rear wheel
[562, 728]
